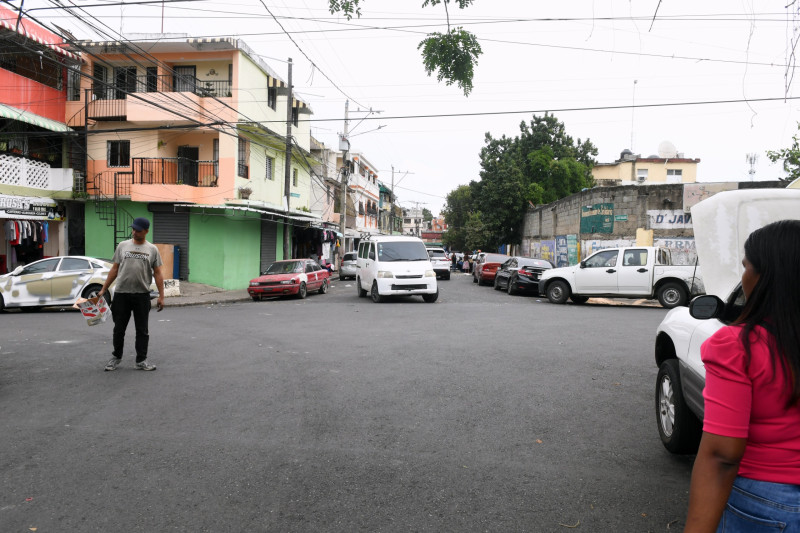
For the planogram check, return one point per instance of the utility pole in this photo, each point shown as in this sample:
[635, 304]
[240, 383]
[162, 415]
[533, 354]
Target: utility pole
[344, 146]
[287, 177]
[391, 207]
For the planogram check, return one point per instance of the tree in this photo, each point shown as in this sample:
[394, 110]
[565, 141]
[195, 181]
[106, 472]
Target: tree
[789, 156]
[427, 216]
[456, 212]
[454, 54]
[541, 165]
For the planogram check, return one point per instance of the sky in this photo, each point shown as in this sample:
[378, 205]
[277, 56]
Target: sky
[714, 78]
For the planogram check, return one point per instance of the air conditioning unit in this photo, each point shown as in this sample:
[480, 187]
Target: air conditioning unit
[641, 179]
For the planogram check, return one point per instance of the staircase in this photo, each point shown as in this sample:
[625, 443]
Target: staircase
[105, 189]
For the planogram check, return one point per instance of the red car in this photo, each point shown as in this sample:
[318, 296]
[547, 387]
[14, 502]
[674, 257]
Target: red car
[293, 277]
[485, 271]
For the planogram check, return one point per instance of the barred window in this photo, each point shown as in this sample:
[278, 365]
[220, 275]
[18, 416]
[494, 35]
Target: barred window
[118, 153]
[270, 166]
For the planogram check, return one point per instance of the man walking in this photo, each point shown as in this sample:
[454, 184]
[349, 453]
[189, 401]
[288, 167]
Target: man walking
[136, 263]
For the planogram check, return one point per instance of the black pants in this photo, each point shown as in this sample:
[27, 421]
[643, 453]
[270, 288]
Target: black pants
[122, 306]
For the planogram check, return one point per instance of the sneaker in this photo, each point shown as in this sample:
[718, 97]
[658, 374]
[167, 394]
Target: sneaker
[144, 365]
[112, 364]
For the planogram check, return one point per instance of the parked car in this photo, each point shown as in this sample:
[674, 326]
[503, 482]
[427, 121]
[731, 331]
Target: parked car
[630, 272]
[292, 277]
[347, 266]
[721, 223]
[485, 269]
[395, 265]
[53, 281]
[521, 274]
[440, 261]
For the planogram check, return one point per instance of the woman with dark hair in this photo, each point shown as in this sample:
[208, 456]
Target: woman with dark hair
[746, 476]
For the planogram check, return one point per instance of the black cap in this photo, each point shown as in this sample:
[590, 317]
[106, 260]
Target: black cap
[140, 224]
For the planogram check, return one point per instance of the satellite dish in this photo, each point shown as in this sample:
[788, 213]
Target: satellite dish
[667, 150]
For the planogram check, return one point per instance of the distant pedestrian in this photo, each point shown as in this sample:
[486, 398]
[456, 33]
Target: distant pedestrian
[136, 263]
[465, 265]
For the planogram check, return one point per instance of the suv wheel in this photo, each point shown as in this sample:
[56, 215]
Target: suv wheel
[678, 428]
[558, 292]
[671, 295]
[376, 296]
[361, 292]
[430, 298]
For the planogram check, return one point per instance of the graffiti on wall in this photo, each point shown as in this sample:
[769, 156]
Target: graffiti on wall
[695, 192]
[682, 251]
[562, 255]
[597, 218]
[669, 219]
[548, 251]
[573, 250]
[536, 249]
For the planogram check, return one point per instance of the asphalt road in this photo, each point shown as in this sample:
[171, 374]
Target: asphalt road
[481, 412]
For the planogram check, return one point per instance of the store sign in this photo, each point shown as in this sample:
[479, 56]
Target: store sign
[29, 208]
[597, 218]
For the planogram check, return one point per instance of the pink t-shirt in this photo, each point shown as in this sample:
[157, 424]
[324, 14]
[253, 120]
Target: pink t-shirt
[749, 401]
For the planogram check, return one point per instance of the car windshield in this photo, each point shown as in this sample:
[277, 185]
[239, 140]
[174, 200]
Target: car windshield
[285, 267]
[437, 253]
[349, 257]
[534, 263]
[402, 251]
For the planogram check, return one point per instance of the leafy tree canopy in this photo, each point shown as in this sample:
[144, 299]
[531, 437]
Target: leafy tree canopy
[541, 165]
[453, 54]
[427, 216]
[789, 157]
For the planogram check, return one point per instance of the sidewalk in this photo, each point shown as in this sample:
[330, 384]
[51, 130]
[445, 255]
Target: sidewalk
[199, 294]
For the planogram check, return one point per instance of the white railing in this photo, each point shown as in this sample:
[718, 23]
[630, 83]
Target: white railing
[24, 172]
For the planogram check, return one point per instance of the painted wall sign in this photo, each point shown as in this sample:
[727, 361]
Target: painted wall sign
[29, 208]
[573, 249]
[598, 218]
[669, 219]
[621, 218]
[683, 251]
[562, 253]
[548, 251]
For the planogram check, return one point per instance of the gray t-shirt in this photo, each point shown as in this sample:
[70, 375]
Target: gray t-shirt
[136, 264]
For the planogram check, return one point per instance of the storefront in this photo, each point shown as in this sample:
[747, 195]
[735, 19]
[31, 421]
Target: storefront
[31, 228]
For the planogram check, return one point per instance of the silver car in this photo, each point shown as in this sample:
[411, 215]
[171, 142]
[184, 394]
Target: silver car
[53, 281]
[347, 268]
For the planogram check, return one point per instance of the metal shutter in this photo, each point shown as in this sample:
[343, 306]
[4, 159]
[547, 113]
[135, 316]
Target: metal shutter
[269, 243]
[173, 228]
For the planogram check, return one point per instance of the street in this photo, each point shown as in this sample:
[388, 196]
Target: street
[481, 412]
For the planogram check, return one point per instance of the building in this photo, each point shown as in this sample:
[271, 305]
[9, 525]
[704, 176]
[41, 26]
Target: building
[191, 133]
[390, 216]
[37, 174]
[413, 222]
[432, 234]
[669, 166]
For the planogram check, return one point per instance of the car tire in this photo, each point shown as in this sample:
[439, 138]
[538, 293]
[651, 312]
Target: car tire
[91, 291]
[578, 299]
[324, 287]
[558, 292]
[511, 287]
[302, 292]
[679, 429]
[447, 276]
[376, 296]
[2, 303]
[361, 292]
[672, 294]
[496, 284]
[256, 298]
[430, 298]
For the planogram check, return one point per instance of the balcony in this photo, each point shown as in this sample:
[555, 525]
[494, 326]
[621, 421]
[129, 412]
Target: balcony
[175, 171]
[23, 172]
[112, 102]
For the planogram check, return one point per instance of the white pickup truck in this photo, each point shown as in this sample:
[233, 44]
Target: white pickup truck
[634, 272]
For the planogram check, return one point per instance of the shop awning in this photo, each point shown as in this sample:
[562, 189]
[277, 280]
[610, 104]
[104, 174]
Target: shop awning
[8, 21]
[6, 111]
[241, 209]
[29, 208]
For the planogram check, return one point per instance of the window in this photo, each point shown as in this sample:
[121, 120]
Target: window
[118, 153]
[73, 84]
[641, 175]
[48, 265]
[100, 83]
[73, 263]
[151, 80]
[242, 156]
[674, 175]
[295, 116]
[215, 156]
[294, 177]
[634, 258]
[272, 97]
[124, 81]
[270, 166]
[602, 259]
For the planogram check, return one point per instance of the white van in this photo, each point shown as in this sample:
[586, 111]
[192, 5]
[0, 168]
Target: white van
[396, 265]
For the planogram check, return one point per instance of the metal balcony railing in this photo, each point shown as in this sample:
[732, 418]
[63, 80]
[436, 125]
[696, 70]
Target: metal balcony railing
[161, 84]
[175, 170]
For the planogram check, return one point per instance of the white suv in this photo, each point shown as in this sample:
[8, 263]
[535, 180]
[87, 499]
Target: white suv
[721, 223]
[396, 265]
[440, 261]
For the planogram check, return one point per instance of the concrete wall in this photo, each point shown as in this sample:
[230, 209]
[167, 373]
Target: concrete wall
[573, 228]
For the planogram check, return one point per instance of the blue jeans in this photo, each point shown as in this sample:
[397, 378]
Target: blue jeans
[761, 506]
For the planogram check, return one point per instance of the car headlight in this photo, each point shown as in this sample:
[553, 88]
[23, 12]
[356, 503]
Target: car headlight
[430, 274]
[385, 274]
[289, 281]
[254, 284]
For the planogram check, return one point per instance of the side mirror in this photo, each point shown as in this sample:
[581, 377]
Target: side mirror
[17, 270]
[706, 306]
[372, 255]
[583, 264]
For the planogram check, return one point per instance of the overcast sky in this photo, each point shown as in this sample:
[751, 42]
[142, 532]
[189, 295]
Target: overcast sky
[577, 59]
